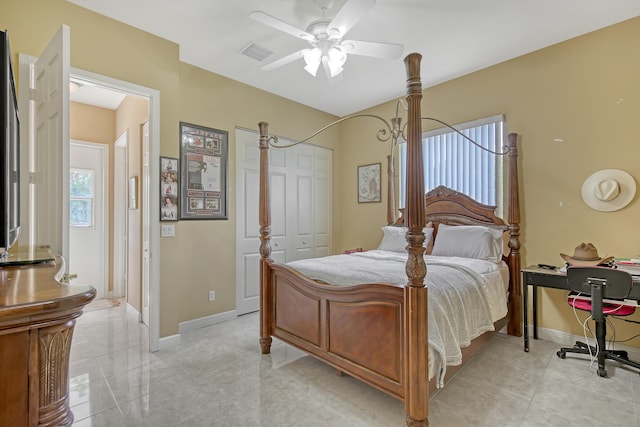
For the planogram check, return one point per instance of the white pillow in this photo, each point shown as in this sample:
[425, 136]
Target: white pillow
[469, 241]
[394, 238]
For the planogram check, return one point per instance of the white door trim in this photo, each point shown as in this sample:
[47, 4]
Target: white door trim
[154, 169]
[120, 217]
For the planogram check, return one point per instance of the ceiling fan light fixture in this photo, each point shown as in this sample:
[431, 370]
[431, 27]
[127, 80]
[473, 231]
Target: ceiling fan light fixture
[335, 60]
[326, 38]
[312, 58]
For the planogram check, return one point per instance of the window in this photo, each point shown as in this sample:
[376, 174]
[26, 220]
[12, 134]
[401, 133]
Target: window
[452, 161]
[81, 195]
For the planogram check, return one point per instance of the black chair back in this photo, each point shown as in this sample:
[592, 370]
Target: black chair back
[618, 282]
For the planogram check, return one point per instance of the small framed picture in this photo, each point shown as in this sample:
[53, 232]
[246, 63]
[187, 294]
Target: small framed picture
[133, 192]
[369, 183]
[169, 190]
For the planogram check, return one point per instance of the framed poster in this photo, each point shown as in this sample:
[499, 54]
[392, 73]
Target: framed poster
[369, 183]
[169, 189]
[203, 172]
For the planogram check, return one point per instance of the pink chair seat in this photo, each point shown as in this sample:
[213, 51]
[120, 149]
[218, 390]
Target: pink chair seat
[613, 309]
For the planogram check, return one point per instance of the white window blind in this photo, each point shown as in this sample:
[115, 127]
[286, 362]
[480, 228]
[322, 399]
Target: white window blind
[452, 161]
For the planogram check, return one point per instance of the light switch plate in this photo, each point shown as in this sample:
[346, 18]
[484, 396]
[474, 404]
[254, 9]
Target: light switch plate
[168, 230]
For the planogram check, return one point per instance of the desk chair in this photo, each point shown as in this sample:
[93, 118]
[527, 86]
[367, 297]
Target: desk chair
[599, 283]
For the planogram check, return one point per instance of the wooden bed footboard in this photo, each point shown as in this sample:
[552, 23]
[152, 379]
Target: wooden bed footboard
[313, 317]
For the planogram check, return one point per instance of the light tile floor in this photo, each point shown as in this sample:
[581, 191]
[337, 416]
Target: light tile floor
[217, 377]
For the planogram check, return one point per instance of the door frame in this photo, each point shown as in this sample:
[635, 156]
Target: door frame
[104, 153]
[153, 216]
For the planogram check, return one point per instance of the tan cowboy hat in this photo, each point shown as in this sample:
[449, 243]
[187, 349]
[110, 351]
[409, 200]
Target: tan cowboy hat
[608, 190]
[586, 254]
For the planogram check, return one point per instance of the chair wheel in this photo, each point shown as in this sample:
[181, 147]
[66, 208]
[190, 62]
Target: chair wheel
[561, 354]
[602, 373]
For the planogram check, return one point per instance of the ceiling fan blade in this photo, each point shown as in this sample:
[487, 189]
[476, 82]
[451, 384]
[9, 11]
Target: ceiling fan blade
[276, 23]
[374, 49]
[284, 60]
[348, 16]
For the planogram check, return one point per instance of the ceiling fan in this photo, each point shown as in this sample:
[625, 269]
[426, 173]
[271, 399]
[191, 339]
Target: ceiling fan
[326, 39]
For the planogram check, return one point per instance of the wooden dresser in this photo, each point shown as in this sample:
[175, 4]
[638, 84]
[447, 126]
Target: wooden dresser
[37, 317]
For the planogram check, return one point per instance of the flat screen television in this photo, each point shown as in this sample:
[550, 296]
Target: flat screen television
[9, 151]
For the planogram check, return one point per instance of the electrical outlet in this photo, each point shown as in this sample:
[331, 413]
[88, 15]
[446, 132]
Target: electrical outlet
[212, 295]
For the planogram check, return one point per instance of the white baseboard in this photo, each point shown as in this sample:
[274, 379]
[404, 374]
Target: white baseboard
[190, 325]
[203, 322]
[566, 339]
[131, 309]
[168, 342]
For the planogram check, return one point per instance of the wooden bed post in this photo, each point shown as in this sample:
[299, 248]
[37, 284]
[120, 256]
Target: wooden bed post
[265, 245]
[415, 293]
[515, 288]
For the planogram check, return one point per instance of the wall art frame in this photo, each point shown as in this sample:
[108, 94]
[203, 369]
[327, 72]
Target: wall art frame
[169, 189]
[203, 172]
[369, 183]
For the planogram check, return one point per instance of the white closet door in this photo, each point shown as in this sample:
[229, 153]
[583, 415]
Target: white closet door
[300, 210]
[322, 201]
[247, 223]
[300, 203]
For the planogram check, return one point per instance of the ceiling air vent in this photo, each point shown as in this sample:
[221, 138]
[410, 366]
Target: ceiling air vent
[255, 51]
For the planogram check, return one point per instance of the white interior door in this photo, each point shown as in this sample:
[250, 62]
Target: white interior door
[146, 191]
[300, 205]
[247, 223]
[88, 230]
[51, 144]
[322, 201]
[300, 197]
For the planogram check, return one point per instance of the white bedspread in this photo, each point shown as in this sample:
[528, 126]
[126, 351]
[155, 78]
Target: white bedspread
[461, 295]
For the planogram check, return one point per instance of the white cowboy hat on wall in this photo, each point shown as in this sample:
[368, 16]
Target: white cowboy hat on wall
[608, 190]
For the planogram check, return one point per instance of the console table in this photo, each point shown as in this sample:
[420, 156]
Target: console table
[37, 317]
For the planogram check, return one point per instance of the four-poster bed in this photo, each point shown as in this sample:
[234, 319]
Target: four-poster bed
[378, 332]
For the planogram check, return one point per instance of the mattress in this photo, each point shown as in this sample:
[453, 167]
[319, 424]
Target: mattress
[466, 296]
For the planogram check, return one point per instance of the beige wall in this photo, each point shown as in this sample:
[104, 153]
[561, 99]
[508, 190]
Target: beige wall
[585, 91]
[202, 255]
[92, 124]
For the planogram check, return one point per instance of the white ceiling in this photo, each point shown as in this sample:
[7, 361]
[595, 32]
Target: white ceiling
[455, 37]
[99, 96]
